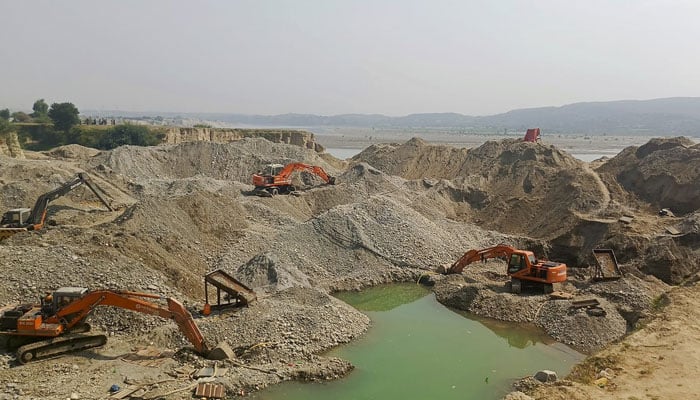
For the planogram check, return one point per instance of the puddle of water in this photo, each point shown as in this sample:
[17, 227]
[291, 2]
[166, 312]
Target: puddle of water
[418, 349]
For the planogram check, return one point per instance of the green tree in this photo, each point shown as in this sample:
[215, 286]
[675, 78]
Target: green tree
[5, 125]
[20, 116]
[64, 116]
[40, 108]
[5, 114]
[128, 134]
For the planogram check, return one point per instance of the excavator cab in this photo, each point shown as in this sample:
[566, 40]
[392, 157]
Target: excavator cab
[66, 295]
[520, 261]
[273, 169]
[16, 217]
[267, 176]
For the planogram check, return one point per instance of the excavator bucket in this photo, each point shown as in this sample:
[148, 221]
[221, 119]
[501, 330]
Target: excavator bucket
[222, 351]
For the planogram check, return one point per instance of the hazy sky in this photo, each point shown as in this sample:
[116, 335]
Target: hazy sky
[332, 57]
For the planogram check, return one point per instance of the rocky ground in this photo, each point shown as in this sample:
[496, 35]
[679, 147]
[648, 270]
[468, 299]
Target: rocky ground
[396, 214]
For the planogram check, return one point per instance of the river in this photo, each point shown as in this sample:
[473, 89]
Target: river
[583, 155]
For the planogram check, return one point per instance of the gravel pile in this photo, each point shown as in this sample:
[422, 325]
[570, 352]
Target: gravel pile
[396, 213]
[481, 290]
[582, 328]
[504, 184]
[235, 161]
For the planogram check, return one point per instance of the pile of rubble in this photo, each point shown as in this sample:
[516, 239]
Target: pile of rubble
[396, 213]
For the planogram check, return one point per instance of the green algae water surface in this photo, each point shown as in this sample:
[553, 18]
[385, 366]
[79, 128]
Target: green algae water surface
[418, 349]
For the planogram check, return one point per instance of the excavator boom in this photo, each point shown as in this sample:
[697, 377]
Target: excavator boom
[38, 214]
[471, 256]
[14, 221]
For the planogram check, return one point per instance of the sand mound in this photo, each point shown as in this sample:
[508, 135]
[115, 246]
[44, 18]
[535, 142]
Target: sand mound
[414, 159]
[397, 211]
[73, 151]
[544, 189]
[230, 161]
[663, 172]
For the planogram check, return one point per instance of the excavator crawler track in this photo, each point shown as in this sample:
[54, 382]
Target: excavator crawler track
[61, 345]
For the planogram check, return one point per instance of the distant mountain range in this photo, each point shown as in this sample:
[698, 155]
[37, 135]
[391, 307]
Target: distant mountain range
[667, 116]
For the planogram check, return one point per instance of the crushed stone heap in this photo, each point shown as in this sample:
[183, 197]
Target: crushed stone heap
[510, 186]
[230, 161]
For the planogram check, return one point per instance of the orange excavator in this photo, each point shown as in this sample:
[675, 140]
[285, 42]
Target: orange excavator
[57, 325]
[277, 178]
[25, 219]
[523, 267]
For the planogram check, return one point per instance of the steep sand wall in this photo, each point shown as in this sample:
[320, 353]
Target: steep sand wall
[296, 137]
[9, 145]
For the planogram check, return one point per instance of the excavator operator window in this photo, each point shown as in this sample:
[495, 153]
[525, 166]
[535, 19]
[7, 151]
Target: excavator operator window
[62, 301]
[516, 263]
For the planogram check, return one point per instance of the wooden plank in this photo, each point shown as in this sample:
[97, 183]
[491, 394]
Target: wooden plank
[672, 230]
[585, 303]
[210, 390]
[560, 295]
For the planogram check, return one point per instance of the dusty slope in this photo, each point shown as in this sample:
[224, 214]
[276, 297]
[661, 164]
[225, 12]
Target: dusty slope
[236, 161]
[662, 172]
[184, 211]
[660, 361]
[179, 219]
[510, 186]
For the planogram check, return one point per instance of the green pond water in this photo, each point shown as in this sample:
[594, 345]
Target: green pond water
[418, 349]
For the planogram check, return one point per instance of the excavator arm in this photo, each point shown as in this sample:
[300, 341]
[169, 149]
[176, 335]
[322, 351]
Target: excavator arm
[38, 214]
[473, 255]
[314, 169]
[75, 312]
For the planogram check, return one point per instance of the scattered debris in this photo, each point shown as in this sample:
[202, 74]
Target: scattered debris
[596, 311]
[672, 230]
[626, 219]
[560, 295]
[207, 372]
[665, 212]
[148, 356]
[584, 303]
